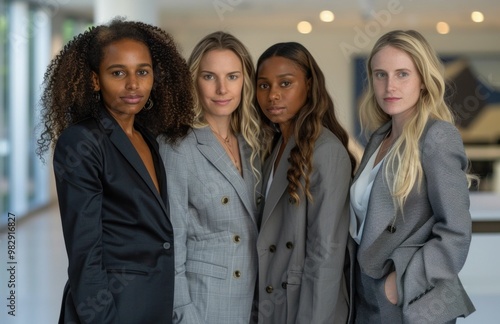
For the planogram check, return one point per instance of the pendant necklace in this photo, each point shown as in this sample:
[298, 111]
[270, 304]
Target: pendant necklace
[227, 143]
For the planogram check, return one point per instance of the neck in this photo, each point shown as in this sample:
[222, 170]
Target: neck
[220, 126]
[126, 122]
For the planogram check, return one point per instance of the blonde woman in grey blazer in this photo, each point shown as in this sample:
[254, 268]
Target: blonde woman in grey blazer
[304, 227]
[410, 221]
[214, 188]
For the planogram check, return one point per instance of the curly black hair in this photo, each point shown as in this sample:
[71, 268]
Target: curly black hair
[68, 94]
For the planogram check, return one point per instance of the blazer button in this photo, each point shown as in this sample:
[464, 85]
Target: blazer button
[237, 274]
[289, 245]
[224, 200]
[166, 246]
[236, 239]
[259, 200]
[269, 289]
[272, 248]
[391, 229]
[283, 285]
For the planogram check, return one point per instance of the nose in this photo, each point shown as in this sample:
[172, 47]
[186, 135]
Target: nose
[221, 87]
[274, 94]
[132, 82]
[390, 83]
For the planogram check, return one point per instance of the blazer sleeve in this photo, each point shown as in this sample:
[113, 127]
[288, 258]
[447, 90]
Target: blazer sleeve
[177, 183]
[444, 164]
[323, 286]
[78, 166]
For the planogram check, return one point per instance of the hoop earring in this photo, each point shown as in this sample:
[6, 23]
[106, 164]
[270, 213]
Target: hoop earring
[97, 96]
[149, 105]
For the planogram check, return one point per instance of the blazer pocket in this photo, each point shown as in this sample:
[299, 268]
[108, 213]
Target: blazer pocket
[127, 269]
[206, 269]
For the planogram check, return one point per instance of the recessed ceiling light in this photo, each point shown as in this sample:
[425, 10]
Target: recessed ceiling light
[477, 16]
[304, 27]
[442, 27]
[326, 16]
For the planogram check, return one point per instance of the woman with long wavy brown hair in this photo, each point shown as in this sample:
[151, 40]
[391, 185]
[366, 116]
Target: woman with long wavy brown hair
[304, 225]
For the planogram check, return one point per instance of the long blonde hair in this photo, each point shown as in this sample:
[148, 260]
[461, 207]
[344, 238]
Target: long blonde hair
[245, 119]
[403, 160]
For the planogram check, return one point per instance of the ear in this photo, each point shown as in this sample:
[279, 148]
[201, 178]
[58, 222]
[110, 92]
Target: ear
[95, 81]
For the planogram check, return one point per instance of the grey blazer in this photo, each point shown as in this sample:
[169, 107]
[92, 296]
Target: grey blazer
[302, 247]
[214, 213]
[428, 245]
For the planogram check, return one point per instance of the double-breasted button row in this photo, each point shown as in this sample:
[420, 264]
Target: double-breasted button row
[272, 247]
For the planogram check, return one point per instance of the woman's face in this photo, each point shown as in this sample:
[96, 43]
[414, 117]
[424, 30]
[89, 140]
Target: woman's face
[396, 82]
[282, 89]
[220, 83]
[125, 77]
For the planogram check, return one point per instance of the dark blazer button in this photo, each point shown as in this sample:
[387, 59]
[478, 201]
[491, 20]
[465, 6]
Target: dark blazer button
[166, 246]
[283, 285]
[269, 289]
[289, 245]
[259, 200]
[391, 229]
[224, 200]
[272, 248]
[237, 274]
[236, 239]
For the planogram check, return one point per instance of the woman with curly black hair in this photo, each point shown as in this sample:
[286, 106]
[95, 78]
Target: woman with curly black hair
[107, 94]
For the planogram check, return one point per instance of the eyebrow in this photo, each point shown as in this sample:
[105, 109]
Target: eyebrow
[280, 75]
[233, 72]
[122, 66]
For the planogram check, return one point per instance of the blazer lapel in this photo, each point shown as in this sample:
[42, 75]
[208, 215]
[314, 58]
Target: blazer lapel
[379, 195]
[279, 181]
[122, 143]
[212, 150]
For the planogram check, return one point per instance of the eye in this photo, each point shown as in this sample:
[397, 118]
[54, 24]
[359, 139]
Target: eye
[117, 73]
[143, 72]
[403, 74]
[233, 77]
[208, 77]
[379, 75]
[285, 84]
[263, 86]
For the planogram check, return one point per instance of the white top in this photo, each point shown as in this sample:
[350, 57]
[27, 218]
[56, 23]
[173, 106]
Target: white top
[360, 197]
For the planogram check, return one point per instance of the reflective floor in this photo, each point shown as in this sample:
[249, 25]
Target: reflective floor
[40, 272]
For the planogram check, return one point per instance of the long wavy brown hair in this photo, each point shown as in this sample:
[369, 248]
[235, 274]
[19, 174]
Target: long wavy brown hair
[307, 124]
[68, 92]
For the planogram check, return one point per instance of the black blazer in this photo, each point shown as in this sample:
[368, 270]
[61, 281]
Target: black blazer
[116, 227]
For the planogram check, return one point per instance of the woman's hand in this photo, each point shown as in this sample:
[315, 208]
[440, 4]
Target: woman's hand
[391, 291]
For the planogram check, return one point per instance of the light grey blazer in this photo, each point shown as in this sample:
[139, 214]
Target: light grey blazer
[214, 213]
[302, 247]
[428, 246]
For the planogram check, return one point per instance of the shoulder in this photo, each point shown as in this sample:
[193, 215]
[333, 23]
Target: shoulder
[87, 129]
[327, 143]
[439, 133]
[180, 146]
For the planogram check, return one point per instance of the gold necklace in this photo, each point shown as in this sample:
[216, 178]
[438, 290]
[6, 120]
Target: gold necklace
[227, 143]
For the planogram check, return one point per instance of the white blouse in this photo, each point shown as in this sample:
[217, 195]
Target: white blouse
[360, 196]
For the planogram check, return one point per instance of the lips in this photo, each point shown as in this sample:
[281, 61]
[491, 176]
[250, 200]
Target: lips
[275, 110]
[222, 102]
[132, 100]
[391, 99]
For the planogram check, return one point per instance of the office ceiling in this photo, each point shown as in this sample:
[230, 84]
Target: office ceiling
[285, 14]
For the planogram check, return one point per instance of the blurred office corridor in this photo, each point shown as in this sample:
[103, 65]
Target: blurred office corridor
[41, 272]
